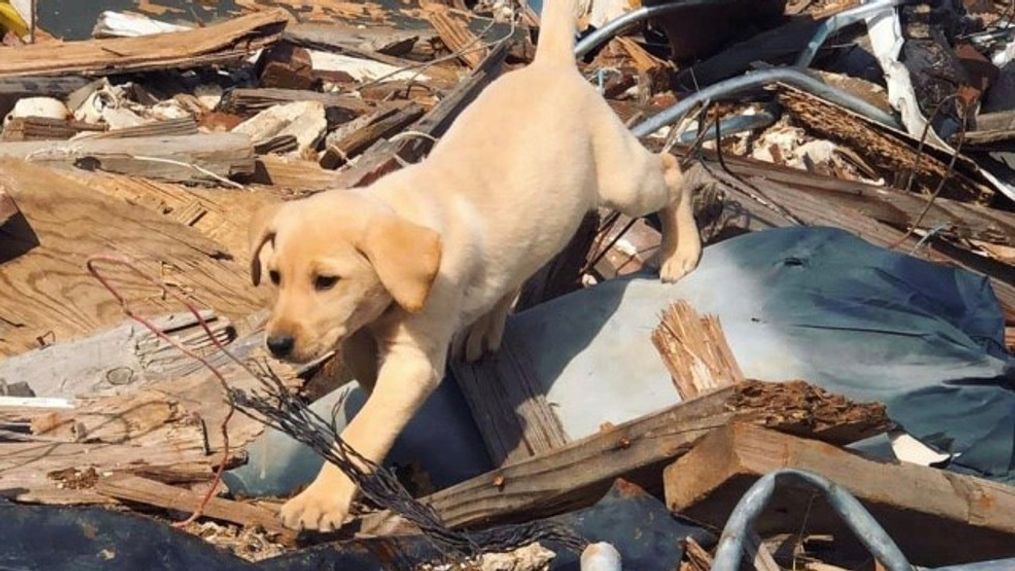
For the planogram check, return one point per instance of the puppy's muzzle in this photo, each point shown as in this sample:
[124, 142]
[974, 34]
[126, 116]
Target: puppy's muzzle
[281, 345]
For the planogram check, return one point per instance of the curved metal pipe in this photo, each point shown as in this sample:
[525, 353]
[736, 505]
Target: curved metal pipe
[856, 517]
[791, 76]
[611, 28]
[839, 21]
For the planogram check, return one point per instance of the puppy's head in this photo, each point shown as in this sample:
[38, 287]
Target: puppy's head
[336, 261]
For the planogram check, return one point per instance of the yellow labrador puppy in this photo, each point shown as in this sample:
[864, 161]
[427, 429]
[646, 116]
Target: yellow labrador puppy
[393, 271]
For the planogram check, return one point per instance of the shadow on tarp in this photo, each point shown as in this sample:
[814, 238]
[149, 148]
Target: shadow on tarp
[82, 539]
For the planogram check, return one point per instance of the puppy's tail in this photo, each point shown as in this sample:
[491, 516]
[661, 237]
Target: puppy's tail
[557, 25]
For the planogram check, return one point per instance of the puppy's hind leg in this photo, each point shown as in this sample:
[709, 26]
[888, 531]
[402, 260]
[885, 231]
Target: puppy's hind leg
[485, 335]
[681, 247]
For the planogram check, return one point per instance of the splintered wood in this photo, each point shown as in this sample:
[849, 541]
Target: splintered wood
[695, 351]
[457, 37]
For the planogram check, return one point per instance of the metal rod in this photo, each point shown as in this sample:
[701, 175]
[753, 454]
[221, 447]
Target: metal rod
[856, 517]
[611, 28]
[732, 125]
[839, 21]
[791, 76]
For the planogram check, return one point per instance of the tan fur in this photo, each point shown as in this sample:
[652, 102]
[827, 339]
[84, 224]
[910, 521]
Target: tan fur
[442, 247]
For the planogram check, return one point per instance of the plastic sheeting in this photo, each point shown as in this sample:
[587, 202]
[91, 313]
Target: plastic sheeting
[817, 304]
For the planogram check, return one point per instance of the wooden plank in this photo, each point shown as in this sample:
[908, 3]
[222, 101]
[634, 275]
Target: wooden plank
[295, 176]
[168, 128]
[251, 100]
[366, 41]
[380, 159]
[219, 43]
[44, 128]
[385, 124]
[150, 492]
[75, 222]
[203, 158]
[457, 36]
[8, 208]
[508, 405]
[579, 473]
[936, 517]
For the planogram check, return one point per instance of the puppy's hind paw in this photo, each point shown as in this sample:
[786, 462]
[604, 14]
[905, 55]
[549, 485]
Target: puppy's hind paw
[679, 265]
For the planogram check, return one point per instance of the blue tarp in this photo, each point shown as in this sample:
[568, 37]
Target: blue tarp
[817, 304]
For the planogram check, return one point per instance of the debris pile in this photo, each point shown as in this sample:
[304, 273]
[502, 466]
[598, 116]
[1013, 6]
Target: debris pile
[856, 379]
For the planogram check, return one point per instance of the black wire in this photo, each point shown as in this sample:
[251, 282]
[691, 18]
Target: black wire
[277, 407]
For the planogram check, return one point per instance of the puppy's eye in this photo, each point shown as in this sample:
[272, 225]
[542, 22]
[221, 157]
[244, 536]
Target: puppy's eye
[322, 283]
[275, 278]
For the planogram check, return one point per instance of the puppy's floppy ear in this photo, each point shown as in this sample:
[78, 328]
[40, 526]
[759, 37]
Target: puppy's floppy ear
[261, 230]
[406, 257]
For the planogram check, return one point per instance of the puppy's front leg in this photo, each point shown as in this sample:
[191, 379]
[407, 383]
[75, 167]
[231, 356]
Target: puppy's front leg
[406, 378]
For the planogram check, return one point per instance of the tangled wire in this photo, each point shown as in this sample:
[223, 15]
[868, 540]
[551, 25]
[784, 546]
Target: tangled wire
[278, 408]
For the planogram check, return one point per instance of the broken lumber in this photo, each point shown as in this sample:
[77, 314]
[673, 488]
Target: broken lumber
[382, 125]
[338, 108]
[936, 517]
[695, 351]
[355, 41]
[892, 152]
[75, 222]
[512, 413]
[7, 207]
[579, 473]
[203, 158]
[150, 492]
[45, 128]
[227, 42]
[383, 157]
[457, 36]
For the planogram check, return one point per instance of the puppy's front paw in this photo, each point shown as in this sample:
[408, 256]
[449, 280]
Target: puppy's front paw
[679, 265]
[322, 506]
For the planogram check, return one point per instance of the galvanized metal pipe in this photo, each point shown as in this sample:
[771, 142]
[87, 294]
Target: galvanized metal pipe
[857, 518]
[734, 124]
[611, 28]
[791, 76]
[839, 21]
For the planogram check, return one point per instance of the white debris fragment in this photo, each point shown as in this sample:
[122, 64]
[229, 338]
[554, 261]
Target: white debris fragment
[600, 557]
[131, 25]
[532, 557]
[304, 120]
[361, 69]
[38, 107]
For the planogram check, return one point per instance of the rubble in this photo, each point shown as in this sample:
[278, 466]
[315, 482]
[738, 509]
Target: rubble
[850, 327]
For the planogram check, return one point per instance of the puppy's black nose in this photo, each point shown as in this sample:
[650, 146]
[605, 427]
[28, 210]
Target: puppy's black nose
[280, 345]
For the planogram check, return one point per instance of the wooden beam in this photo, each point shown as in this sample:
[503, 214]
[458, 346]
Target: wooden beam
[203, 158]
[228, 41]
[508, 405]
[579, 473]
[936, 517]
[150, 492]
